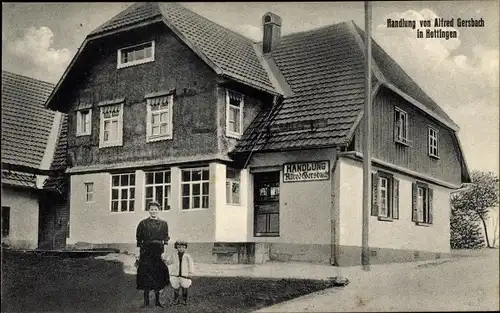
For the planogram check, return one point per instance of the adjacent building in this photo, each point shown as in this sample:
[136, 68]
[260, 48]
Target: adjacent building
[253, 149]
[29, 135]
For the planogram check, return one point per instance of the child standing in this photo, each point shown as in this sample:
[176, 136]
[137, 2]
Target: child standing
[182, 268]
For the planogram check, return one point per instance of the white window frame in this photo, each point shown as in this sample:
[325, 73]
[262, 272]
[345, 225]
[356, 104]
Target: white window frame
[385, 201]
[401, 138]
[164, 185]
[231, 133]
[80, 122]
[191, 183]
[120, 188]
[433, 142]
[89, 194]
[149, 118]
[119, 118]
[120, 64]
[230, 183]
[422, 204]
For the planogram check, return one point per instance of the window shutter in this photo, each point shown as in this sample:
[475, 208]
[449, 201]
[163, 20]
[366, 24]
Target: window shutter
[431, 205]
[395, 126]
[374, 194]
[395, 198]
[414, 196]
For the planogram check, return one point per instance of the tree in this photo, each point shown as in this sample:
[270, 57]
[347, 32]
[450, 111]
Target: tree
[477, 200]
[465, 231]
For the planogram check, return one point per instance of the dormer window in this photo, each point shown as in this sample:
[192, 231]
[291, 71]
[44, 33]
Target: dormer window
[234, 114]
[138, 54]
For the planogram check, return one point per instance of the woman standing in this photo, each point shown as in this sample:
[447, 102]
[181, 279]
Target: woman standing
[152, 236]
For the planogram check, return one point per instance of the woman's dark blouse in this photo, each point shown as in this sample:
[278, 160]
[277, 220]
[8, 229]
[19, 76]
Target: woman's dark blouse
[152, 231]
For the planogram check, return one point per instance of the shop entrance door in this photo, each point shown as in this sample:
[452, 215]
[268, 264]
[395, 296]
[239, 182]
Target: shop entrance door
[266, 204]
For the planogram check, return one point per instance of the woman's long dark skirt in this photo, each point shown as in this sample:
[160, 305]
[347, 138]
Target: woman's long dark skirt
[152, 273]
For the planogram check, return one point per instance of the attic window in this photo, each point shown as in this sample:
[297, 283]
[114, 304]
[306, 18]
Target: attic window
[138, 54]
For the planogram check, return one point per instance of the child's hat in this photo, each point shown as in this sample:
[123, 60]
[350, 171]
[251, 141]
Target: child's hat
[180, 242]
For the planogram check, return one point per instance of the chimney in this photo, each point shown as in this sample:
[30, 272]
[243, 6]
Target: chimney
[272, 31]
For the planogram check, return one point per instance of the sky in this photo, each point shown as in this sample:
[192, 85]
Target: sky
[460, 74]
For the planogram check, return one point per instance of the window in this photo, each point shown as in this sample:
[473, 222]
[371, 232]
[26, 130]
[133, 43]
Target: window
[89, 192]
[401, 126]
[123, 192]
[159, 118]
[158, 188]
[195, 182]
[385, 196]
[234, 114]
[111, 125]
[433, 142]
[83, 122]
[422, 203]
[5, 221]
[232, 186]
[137, 54]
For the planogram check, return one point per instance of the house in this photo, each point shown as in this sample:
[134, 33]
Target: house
[253, 149]
[29, 135]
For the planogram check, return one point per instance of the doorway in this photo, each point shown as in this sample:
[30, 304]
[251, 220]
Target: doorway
[266, 204]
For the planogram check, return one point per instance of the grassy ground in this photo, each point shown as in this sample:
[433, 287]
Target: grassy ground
[54, 284]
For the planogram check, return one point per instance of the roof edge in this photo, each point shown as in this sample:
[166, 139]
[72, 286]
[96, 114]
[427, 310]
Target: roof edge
[378, 74]
[50, 148]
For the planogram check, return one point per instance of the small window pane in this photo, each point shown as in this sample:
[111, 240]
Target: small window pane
[131, 205]
[205, 188]
[163, 129]
[159, 178]
[167, 177]
[114, 194]
[114, 206]
[196, 202]
[132, 193]
[148, 52]
[156, 119]
[196, 175]
[185, 203]
[116, 180]
[149, 178]
[156, 130]
[124, 180]
[123, 205]
[132, 179]
[205, 202]
[196, 189]
[186, 175]
[205, 174]
[185, 190]
[159, 194]
[124, 194]
[149, 192]
[163, 117]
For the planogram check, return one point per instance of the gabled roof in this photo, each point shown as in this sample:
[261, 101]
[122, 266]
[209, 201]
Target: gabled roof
[225, 51]
[26, 123]
[325, 69]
